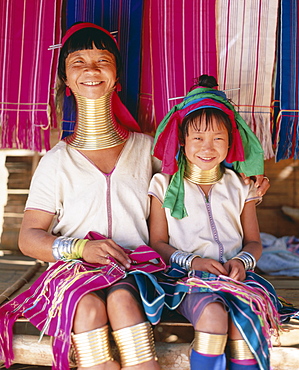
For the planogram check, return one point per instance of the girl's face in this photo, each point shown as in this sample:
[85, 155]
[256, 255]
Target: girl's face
[90, 73]
[208, 148]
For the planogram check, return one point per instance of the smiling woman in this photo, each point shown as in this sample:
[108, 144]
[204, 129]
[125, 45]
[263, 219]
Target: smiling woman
[79, 213]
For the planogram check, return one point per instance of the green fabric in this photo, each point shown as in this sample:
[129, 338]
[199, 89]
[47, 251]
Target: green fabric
[175, 193]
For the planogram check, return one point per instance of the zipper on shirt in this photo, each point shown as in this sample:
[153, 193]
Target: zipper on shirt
[108, 204]
[212, 222]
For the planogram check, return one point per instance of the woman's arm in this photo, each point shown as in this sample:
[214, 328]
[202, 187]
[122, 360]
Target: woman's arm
[158, 230]
[35, 241]
[251, 241]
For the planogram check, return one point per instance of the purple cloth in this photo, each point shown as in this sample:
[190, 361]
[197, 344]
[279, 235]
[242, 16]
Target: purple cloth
[50, 303]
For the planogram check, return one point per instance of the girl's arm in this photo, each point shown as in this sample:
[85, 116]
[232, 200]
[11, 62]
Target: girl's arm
[159, 239]
[251, 241]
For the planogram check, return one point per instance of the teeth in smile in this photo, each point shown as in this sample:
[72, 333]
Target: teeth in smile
[92, 83]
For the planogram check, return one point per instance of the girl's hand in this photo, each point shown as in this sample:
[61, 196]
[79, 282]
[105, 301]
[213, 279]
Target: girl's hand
[208, 265]
[235, 269]
[97, 251]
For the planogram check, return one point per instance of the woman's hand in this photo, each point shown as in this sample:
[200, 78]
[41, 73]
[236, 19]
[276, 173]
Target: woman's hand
[208, 265]
[98, 251]
[235, 269]
[261, 182]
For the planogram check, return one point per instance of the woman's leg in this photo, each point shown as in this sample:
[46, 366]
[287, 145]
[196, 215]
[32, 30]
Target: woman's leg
[90, 335]
[241, 357]
[133, 335]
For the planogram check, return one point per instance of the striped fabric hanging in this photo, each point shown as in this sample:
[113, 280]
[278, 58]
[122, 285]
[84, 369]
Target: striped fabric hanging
[178, 45]
[28, 28]
[125, 18]
[246, 40]
[287, 84]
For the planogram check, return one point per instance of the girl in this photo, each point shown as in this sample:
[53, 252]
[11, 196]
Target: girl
[203, 220]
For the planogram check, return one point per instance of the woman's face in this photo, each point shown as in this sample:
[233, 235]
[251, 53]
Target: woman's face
[90, 73]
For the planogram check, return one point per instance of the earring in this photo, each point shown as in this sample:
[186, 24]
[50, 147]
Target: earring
[118, 87]
[68, 91]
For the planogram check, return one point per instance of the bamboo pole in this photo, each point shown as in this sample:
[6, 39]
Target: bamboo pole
[24, 279]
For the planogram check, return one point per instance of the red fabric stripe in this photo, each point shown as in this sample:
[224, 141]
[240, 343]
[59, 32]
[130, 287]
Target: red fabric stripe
[178, 45]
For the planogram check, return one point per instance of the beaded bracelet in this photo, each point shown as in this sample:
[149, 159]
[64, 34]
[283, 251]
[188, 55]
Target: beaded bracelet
[183, 259]
[247, 258]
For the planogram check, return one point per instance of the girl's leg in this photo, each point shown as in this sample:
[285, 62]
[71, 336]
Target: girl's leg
[90, 335]
[133, 335]
[210, 339]
[241, 357]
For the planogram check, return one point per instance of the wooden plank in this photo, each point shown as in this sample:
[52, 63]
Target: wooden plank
[171, 355]
[274, 222]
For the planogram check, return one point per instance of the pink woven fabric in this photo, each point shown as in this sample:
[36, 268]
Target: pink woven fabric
[50, 302]
[27, 29]
[178, 45]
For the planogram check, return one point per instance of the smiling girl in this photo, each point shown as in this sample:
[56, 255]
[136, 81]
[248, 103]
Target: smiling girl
[203, 223]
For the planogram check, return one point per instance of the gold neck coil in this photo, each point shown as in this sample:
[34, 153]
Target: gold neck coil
[239, 350]
[209, 344]
[92, 348]
[136, 344]
[202, 177]
[96, 127]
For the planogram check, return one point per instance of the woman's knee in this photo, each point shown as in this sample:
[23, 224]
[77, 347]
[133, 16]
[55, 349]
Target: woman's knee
[123, 309]
[90, 314]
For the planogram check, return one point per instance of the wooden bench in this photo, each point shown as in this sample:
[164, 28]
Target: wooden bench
[172, 338]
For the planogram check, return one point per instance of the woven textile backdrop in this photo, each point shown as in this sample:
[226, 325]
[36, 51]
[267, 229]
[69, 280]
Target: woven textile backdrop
[165, 44]
[27, 29]
[286, 124]
[178, 44]
[246, 39]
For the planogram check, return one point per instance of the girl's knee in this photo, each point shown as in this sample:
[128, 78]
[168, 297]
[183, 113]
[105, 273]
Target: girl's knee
[214, 319]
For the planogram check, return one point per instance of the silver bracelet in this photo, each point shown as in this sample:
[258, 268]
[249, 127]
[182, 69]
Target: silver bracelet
[62, 245]
[247, 258]
[183, 259]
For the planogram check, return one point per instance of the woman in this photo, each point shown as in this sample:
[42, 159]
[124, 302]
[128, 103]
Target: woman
[95, 180]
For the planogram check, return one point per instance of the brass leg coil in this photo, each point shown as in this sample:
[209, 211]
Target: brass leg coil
[209, 344]
[136, 344]
[239, 350]
[92, 348]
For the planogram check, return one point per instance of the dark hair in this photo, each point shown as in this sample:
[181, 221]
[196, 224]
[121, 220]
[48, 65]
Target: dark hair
[84, 39]
[205, 81]
[202, 118]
